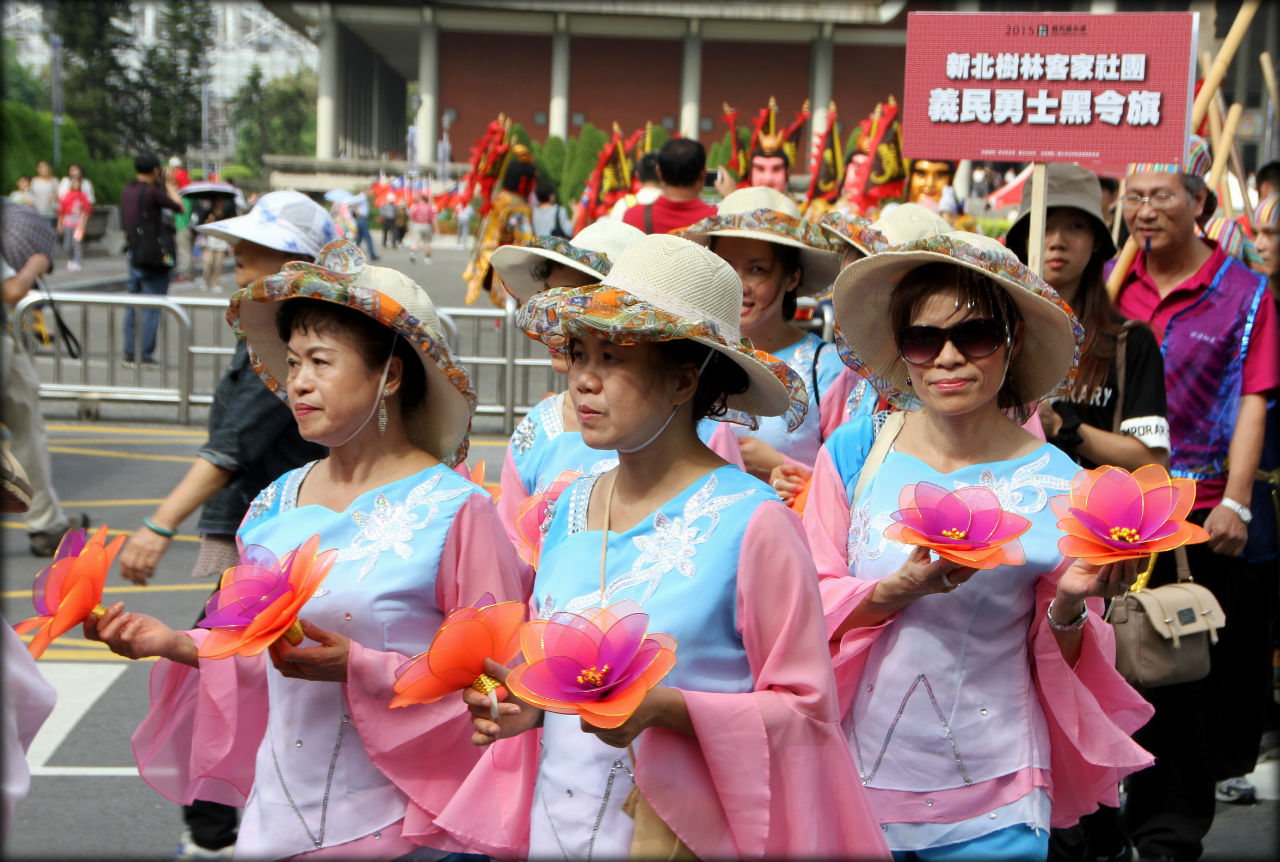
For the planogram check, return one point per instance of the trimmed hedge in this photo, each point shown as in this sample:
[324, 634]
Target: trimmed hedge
[26, 137]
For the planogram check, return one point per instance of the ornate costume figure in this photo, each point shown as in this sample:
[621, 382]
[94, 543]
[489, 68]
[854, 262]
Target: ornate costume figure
[509, 220]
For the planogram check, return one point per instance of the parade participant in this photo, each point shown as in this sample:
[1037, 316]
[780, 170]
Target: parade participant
[778, 256]
[982, 705]
[874, 172]
[650, 186]
[738, 753]
[323, 765]
[1266, 233]
[548, 440]
[928, 180]
[682, 169]
[773, 152]
[252, 441]
[510, 220]
[1221, 363]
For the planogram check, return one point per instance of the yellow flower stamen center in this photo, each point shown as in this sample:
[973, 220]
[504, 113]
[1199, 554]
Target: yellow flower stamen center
[593, 677]
[1125, 534]
[954, 533]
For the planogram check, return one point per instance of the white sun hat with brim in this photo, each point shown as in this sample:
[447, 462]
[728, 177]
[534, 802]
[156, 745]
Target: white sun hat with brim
[759, 212]
[592, 251]
[854, 230]
[664, 288]
[285, 221]
[1051, 336]
[440, 422]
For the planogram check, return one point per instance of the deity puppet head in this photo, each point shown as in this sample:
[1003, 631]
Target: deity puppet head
[773, 148]
[770, 169]
[928, 179]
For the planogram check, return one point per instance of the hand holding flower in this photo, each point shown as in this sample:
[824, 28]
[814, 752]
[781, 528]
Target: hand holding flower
[515, 716]
[324, 663]
[966, 526]
[662, 707]
[136, 636]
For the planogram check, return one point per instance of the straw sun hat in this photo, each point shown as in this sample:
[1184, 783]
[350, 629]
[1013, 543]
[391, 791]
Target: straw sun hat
[898, 224]
[438, 424]
[664, 288]
[592, 250]
[759, 212]
[1051, 336]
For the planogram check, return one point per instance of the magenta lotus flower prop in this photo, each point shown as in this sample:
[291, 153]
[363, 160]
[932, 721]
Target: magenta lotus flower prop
[260, 597]
[966, 526]
[69, 589]
[1113, 515]
[599, 664]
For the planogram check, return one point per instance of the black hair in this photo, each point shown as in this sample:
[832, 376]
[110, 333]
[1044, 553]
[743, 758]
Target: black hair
[787, 257]
[647, 167]
[976, 292]
[1109, 184]
[721, 378]
[372, 340]
[681, 162]
[776, 154]
[145, 163]
[517, 173]
[1269, 173]
[544, 192]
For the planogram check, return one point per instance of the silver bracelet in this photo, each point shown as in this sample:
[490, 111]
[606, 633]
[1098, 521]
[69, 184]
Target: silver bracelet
[1074, 626]
[1242, 511]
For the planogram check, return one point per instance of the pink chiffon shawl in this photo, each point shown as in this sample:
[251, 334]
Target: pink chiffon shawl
[1091, 712]
[768, 774]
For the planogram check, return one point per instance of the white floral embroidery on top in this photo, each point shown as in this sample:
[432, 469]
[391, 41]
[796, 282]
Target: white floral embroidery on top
[264, 501]
[859, 525]
[389, 526]
[1026, 481]
[522, 439]
[672, 545]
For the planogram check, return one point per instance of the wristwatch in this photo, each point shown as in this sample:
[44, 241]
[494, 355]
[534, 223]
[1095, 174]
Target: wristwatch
[1241, 510]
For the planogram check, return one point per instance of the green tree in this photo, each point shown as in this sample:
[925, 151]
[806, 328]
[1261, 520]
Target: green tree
[248, 112]
[98, 91]
[290, 104]
[21, 84]
[581, 162]
[174, 73]
[550, 160]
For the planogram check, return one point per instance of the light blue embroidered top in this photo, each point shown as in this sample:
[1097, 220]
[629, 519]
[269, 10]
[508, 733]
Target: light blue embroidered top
[813, 359]
[541, 449]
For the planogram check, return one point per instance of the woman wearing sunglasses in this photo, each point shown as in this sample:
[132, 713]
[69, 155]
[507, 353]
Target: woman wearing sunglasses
[982, 705]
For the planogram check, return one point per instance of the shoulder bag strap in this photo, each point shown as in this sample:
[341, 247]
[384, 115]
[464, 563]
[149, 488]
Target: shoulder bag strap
[648, 218]
[1121, 340]
[884, 442]
[813, 378]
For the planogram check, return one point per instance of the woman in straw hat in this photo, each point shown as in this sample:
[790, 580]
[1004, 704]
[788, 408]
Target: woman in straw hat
[779, 256]
[739, 752]
[983, 705]
[305, 740]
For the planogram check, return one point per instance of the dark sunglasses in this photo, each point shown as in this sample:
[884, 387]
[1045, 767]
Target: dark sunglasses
[975, 338]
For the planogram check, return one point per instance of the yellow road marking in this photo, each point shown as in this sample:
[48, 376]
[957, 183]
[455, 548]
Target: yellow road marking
[151, 432]
[132, 456]
[145, 501]
[181, 537]
[54, 653]
[154, 588]
[116, 441]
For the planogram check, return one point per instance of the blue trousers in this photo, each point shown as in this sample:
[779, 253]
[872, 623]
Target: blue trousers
[1021, 843]
[363, 236]
[148, 282]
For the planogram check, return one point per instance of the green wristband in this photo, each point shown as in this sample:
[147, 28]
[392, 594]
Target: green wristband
[159, 531]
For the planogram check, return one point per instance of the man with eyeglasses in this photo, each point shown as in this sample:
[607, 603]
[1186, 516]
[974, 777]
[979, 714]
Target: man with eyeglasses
[1221, 344]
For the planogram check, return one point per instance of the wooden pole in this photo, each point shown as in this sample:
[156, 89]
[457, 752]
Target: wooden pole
[1117, 217]
[1212, 80]
[1222, 150]
[1035, 236]
[1273, 91]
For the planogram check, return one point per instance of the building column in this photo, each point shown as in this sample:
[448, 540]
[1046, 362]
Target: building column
[821, 71]
[327, 84]
[428, 118]
[691, 82]
[558, 110]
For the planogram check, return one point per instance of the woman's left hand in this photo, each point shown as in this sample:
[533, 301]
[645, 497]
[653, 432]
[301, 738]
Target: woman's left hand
[658, 706]
[1083, 579]
[758, 457]
[324, 663]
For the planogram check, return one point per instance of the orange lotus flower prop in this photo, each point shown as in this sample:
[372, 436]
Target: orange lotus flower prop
[966, 526]
[599, 664]
[259, 599]
[69, 589]
[455, 660]
[1113, 515]
[532, 513]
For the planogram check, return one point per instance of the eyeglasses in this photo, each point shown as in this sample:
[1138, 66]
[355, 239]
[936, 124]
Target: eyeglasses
[1158, 201]
[975, 338]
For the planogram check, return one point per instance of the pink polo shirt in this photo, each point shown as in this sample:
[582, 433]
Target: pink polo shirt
[1140, 299]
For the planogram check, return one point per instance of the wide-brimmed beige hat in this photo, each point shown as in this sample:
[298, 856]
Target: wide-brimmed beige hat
[592, 250]
[898, 223]
[1051, 335]
[438, 424]
[664, 288]
[759, 212]
[1067, 186]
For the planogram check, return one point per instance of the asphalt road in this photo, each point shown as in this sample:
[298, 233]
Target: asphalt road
[86, 801]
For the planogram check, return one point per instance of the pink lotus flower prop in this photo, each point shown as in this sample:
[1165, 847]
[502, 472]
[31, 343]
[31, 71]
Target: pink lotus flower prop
[598, 665]
[456, 657]
[69, 589]
[533, 511]
[260, 598]
[1113, 515]
[966, 526]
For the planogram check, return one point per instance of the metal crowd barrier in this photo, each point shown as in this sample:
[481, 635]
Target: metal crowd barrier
[511, 373]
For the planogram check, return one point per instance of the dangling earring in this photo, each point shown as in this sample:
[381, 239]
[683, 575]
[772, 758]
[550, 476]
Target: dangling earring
[382, 414]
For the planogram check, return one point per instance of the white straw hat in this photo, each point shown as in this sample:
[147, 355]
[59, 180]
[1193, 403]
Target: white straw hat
[664, 288]
[592, 250]
[1051, 336]
[762, 213]
[285, 221]
[441, 421]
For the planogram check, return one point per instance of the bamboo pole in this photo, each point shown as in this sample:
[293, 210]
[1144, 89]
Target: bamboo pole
[1273, 91]
[1117, 217]
[1035, 239]
[1222, 150]
[1212, 80]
